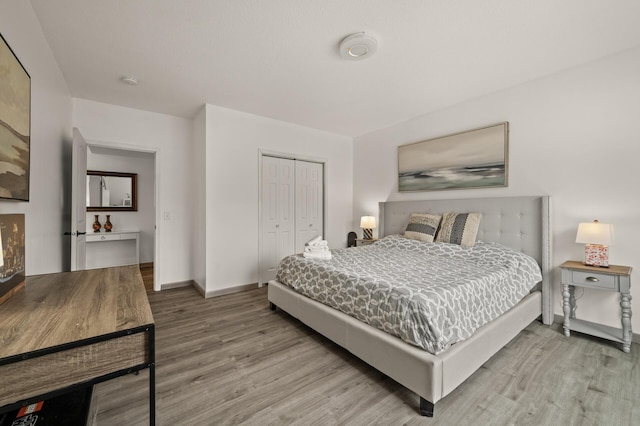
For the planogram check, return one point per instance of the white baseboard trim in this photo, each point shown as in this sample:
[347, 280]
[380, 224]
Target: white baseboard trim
[208, 294]
[177, 285]
[200, 289]
[230, 290]
[635, 338]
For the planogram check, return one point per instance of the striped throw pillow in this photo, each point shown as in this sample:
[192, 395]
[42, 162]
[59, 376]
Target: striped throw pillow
[459, 228]
[422, 227]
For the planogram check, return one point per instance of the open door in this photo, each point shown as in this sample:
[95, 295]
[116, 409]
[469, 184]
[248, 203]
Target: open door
[78, 202]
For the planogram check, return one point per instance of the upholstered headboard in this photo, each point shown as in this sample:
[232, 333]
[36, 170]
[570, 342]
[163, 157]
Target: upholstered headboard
[522, 223]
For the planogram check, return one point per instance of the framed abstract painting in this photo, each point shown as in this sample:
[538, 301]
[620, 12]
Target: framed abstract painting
[472, 159]
[15, 125]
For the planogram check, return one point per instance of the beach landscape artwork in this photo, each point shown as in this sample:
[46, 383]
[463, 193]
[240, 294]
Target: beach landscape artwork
[15, 125]
[471, 159]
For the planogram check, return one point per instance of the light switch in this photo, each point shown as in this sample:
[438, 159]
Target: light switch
[167, 216]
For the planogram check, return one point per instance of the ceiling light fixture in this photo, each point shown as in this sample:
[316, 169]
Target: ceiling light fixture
[358, 46]
[130, 80]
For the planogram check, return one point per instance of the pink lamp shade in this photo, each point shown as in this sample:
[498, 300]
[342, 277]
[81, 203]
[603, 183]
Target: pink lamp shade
[597, 238]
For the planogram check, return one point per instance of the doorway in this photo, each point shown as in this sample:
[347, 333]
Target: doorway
[130, 159]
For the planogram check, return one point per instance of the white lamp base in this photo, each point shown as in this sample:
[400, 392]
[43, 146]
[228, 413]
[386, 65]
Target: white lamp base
[596, 255]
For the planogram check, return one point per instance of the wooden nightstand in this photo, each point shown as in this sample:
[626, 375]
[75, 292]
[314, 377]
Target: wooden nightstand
[361, 242]
[614, 278]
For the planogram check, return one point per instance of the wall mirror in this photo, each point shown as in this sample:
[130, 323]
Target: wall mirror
[111, 191]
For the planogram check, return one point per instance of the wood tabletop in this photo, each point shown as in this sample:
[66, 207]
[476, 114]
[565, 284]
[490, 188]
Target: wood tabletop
[611, 270]
[57, 309]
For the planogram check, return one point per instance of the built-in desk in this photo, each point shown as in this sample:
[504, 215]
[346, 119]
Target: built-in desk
[116, 249]
[74, 329]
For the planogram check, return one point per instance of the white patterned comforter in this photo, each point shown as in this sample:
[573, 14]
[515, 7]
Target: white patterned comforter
[430, 295]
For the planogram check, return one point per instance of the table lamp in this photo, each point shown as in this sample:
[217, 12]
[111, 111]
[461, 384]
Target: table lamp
[367, 223]
[597, 238]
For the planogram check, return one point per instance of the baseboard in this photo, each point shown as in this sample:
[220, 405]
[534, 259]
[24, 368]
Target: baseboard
[177, 284]
[635, 338]
[201, 290]
[230, 290]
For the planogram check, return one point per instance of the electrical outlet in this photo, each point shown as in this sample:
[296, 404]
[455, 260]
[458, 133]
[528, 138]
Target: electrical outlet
[167, 216]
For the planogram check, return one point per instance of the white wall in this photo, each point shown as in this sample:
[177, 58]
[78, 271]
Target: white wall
[142, 220]
[573, 136]
[198, 213]
[48, 211]
[233, 142]
[170, 137]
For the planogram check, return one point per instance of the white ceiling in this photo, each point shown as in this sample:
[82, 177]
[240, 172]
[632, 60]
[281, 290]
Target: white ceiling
[279, 58]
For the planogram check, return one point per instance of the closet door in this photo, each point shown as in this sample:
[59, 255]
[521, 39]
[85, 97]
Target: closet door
[278, 214]
[309, 202]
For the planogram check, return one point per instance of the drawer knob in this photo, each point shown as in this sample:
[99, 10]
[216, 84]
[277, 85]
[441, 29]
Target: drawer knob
[592, 279]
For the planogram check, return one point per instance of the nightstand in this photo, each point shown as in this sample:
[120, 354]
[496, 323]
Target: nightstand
[614, 278]
[362, 242]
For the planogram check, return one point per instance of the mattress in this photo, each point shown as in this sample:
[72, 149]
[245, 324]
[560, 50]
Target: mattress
[430, 295]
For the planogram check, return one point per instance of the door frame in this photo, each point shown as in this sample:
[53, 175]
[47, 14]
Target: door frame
[288, 156]
[151, 150]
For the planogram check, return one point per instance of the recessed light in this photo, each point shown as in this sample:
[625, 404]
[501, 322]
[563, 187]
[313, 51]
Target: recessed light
[129, 80]
[358, 46]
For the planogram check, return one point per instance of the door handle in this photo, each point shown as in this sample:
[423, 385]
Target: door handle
[77, 233]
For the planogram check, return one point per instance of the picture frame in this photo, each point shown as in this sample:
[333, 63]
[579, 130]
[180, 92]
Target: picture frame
[476, 158]
[15, 125]
[12, 255]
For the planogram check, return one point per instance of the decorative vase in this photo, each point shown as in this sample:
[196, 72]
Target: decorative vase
[108, 226]
[96, 225]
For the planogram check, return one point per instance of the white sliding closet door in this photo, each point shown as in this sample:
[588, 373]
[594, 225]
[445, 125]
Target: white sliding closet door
[278, 214]
[309, 202]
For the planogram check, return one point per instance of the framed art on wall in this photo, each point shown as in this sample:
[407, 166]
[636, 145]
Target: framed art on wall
[15, 125]
[472, 159]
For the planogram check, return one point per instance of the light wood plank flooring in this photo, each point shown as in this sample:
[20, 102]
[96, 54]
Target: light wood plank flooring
[230, 360]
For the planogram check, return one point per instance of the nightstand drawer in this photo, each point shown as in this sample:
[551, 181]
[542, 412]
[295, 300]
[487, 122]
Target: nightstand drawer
[595, 280]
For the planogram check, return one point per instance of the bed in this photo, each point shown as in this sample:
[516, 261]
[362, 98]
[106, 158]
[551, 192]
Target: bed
[521, 223]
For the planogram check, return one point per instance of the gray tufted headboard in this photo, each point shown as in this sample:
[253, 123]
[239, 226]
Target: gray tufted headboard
[522, 223]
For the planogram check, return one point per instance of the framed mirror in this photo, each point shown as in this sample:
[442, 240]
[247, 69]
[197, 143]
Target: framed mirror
[111, 191]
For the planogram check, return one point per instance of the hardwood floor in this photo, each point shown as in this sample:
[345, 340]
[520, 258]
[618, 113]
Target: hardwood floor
[230, 360]
[146, 269]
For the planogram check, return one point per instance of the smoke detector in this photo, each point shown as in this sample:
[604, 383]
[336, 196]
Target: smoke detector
[358, 46]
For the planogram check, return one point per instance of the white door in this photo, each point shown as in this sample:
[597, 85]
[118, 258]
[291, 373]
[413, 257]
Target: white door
[278, 219]
[78, 202]
[309, 202]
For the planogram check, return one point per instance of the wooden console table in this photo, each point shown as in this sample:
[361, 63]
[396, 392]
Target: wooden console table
[75, 329]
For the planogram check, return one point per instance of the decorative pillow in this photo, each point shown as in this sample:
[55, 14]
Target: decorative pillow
[459, 228]
[422, 227]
